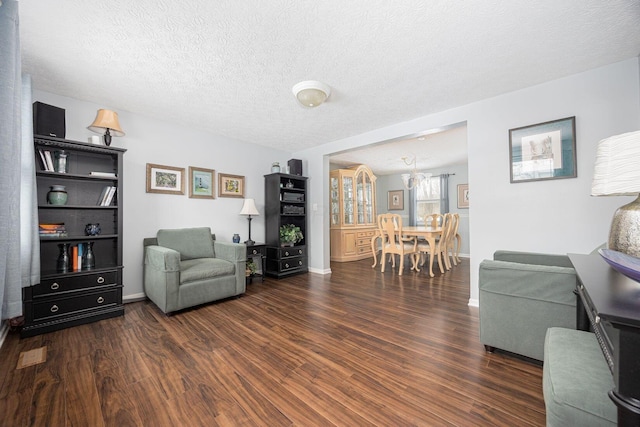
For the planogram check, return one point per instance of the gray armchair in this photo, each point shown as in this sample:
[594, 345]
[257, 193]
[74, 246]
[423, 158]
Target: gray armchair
[521, 295]
[187, 267]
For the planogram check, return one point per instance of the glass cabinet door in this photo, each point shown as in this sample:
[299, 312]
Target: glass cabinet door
[348, 204]
[360, 202]
[369, 214]
[335, 202]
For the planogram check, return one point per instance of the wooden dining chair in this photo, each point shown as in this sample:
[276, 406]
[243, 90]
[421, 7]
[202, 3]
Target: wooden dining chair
[450, 245]
[456, 238]
[393, 242]
[433, 220]
[440, 249]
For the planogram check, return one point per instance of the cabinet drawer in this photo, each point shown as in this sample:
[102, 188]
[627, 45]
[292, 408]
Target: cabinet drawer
[53, 307]
[260, 250]
[369, 233]
[72, 283]
[364, 242]
[364, 250]
[293, 251]
[291, 263]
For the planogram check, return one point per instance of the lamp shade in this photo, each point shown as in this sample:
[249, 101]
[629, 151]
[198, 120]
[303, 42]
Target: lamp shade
[311, 93]
[616, 171]
[249, 208]
[106, 119]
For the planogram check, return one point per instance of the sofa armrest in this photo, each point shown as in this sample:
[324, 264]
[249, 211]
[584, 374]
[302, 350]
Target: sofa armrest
[161, 258]
[533, 258]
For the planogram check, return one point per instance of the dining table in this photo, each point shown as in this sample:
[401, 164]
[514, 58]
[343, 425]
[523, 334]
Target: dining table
[430, 234]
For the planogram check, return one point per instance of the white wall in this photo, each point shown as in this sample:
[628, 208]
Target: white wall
[154, 141]
[458, 175]
[556, 216]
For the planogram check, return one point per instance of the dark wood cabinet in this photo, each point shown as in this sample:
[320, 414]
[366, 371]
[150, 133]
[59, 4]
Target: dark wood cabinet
[74, 296]
[285, 203]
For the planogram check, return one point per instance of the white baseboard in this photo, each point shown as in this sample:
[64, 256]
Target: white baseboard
[4, 330]
[319, 271]
[134, 298]
[473, 303]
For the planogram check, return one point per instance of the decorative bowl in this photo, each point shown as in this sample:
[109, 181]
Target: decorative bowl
[625, 264]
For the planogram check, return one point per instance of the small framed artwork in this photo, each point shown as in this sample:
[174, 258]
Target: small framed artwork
[463, 196]
[165, 179]
[230, 185]
[201, 184]
[395, 200]
[543, 151]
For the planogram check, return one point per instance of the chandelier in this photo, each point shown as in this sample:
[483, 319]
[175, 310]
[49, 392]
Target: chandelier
[414, 178]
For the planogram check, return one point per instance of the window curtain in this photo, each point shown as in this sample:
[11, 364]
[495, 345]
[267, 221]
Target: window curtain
[18, 264]
[413, 203]
[444, 193]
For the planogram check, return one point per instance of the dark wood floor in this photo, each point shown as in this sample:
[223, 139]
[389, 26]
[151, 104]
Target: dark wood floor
[353, 348]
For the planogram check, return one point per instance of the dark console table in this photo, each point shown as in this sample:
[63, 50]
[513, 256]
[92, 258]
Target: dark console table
[609, 304]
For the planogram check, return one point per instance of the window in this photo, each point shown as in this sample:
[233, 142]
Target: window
[427, 198]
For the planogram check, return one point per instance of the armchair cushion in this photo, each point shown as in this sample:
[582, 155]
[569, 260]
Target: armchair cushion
[204, 268]
[191, 243]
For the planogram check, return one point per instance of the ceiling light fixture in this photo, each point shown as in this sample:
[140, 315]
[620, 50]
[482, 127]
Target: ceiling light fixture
[311, 93]
[414, 178]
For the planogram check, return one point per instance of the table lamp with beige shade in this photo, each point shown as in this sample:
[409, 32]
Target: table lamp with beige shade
[617, 173]
[106, 121]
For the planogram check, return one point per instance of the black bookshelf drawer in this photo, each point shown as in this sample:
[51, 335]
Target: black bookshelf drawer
[292, 251]
[54, 307]
[293, 263]
[72, 283]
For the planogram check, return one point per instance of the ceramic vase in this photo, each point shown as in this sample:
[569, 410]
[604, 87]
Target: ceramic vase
[57, 195]
[236, 238]
[92, 229]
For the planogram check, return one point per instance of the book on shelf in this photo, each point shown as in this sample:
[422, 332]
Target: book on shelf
[109, 199]
[103, 174]
[59, 235]
[74, 257]
[49, 160]
[103, 195]
[106, 196]
[45, 166]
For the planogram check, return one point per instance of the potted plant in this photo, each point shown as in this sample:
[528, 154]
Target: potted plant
[290, 234]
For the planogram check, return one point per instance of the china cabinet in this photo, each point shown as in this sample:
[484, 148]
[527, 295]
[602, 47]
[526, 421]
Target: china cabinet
[80, 236]
[353, 212]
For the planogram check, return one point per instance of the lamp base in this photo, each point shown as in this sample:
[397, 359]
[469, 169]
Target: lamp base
[107, 138]
[625, 229]
[249, 242]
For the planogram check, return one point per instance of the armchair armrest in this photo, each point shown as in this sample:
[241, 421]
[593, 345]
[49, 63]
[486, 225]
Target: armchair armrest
[533, 258]
[162, 258]
[232, 252]
[237, 254]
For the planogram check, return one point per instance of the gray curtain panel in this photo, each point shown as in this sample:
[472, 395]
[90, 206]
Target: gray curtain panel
[10, 161]
[29, 236]
[444, 193]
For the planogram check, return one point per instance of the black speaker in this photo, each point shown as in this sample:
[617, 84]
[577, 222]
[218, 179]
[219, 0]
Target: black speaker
[48, 120]
[295, 167]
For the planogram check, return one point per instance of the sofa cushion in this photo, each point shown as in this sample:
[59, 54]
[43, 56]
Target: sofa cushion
[204, 268]
[190, 242]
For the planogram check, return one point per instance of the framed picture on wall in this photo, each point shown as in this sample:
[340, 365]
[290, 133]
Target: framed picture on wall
[543, 151]
[395, 200]
[165, 179]
[230, 185]
[463, 196]
[201, 184]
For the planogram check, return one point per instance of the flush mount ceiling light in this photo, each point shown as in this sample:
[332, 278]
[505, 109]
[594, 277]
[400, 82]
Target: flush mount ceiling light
[311, 93]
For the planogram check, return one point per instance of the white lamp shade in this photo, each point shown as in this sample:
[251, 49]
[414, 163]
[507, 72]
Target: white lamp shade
[311, 93]
[617, 167]
[249, 208]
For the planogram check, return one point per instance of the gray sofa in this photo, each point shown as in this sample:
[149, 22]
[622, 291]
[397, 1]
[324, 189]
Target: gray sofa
[187, 267]
[521, 295]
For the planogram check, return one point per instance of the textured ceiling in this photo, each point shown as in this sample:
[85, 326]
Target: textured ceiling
[228, 66]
